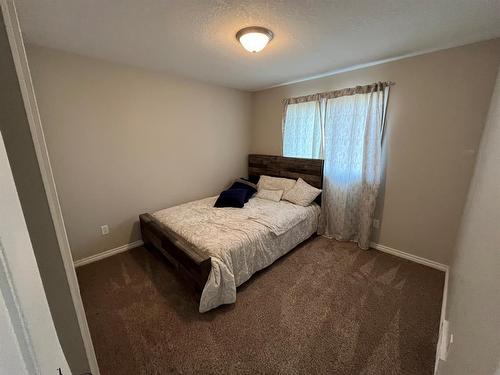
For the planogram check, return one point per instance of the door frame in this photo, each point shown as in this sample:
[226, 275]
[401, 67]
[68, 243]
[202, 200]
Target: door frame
[30, 104]
[31, 342]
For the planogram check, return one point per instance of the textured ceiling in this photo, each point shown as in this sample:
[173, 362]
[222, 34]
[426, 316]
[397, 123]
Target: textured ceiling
[196, 38]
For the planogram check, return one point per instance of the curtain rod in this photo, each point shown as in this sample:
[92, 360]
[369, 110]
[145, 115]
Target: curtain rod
[377, 86]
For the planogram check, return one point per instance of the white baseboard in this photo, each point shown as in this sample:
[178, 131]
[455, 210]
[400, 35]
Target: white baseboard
[108, 253]
[414, 258]
[430, 263]
[442, 347]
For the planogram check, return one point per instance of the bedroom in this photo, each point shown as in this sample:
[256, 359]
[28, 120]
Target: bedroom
[145, 107]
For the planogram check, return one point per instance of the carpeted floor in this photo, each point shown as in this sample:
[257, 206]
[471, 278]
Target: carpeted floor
[325, 308]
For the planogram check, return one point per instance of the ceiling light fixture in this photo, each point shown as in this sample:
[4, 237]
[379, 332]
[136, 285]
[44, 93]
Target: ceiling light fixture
[254, 38]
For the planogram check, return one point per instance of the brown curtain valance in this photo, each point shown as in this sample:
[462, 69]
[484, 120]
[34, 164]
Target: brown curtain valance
[377, 86]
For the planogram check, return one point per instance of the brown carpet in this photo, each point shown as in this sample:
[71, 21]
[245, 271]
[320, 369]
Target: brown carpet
[325, 308]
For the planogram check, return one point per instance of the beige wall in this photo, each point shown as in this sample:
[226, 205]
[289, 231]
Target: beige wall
[474, 291]
[435, 118]
[24, 164]
[125, 141]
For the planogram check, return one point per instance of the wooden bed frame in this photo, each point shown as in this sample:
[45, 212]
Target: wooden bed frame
[190, 265]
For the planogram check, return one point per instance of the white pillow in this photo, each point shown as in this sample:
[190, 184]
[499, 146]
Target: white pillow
[272, 195]
[302, 193]
[275, 183]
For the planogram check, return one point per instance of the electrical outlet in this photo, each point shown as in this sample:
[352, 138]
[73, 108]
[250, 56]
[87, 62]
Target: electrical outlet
[376, 223]
[104, 229]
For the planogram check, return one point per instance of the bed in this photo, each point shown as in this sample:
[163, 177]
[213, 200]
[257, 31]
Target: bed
[217, 250]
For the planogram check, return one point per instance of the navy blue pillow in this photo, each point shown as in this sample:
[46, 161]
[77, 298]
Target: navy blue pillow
[232, 198]
[249, 189]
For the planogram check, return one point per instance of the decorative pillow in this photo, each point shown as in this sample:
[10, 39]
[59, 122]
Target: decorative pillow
[250, 188]
[232, 198]
[252, 179]
[275, 183]
[247, 182]
[302, 193]
[272, 195]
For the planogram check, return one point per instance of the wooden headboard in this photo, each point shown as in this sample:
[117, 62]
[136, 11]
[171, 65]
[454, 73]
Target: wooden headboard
[310, 170]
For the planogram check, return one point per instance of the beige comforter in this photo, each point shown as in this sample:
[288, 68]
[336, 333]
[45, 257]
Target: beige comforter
[239, 242]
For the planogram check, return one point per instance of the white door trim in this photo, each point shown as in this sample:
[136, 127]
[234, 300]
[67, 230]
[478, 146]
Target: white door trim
[442, 344]
[23, 72]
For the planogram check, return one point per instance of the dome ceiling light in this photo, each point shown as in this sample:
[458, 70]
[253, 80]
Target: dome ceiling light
[254, 38]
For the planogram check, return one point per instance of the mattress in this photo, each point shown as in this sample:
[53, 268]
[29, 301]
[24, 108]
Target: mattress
[239, 241]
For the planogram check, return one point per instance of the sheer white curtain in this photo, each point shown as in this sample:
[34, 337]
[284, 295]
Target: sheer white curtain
[353, 130]
[302, 130]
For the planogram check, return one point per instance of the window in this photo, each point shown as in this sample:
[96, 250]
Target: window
[345, 128]
[333, 128]
[345, 134]
[336, 122]
[302, 130]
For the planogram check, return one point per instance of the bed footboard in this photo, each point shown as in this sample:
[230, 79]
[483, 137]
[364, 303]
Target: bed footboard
[193, 267]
